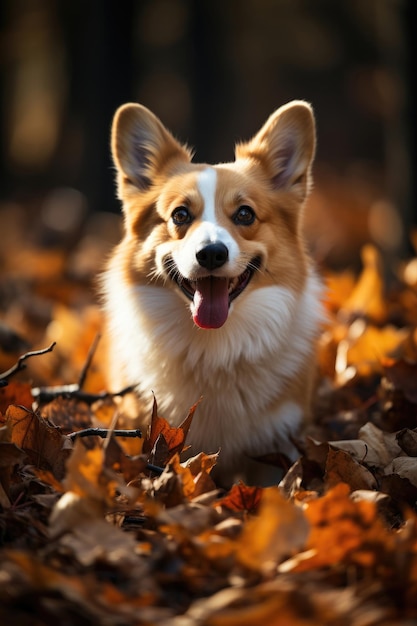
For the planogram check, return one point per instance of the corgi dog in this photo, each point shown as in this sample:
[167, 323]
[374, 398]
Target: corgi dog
[211, 292]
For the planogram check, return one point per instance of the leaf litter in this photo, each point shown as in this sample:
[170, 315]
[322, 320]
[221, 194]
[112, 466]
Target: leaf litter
[97, 528]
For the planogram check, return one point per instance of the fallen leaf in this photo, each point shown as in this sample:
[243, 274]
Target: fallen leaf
[402, 375]
[163, 441]
[46, 447]
[242, 498]
[86, 474]
[368, 295]
[17, 393]
[278, 531]
[344, 530]
[407, 440]
[72, 510]
[341, 467]
[69, 414]
[405, 467]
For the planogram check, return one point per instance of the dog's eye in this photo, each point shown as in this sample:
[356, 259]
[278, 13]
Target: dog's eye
[181, 216]
[244, 216]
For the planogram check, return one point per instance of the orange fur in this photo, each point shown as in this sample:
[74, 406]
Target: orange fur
[211, 292]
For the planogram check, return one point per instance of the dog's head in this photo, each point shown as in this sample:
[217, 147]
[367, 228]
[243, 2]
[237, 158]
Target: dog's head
[213, 233]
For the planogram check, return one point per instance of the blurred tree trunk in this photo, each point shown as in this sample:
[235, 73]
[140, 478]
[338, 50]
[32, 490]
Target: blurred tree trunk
[98, 36]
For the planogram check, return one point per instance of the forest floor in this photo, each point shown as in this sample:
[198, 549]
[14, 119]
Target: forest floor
[90, 534]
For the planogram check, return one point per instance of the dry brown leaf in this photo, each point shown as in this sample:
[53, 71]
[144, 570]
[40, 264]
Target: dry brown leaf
[93, 540]
[384, 445]
[407, 440]
[45, 446]
[402, 375]
[69, 414]
[10, 455]
[341, 467]
[375, 447]
[404, 466]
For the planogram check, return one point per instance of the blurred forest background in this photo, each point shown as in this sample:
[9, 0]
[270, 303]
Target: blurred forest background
[213, 70]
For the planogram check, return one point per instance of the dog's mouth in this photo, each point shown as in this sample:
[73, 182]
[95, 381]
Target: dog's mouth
[211, 296]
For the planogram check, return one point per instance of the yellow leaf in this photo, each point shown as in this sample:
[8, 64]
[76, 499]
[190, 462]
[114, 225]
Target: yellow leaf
[367, 298]
[278, 531]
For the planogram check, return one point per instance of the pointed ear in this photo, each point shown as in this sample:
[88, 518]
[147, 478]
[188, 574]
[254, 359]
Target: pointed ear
[285, 146]
[142, 146]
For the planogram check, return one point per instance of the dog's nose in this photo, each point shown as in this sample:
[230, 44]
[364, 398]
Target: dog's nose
[212, 256]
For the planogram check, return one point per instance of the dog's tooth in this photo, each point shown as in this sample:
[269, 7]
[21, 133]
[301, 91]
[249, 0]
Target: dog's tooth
[232, 284]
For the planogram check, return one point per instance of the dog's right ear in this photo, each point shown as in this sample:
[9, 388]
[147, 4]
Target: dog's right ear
[142, 146]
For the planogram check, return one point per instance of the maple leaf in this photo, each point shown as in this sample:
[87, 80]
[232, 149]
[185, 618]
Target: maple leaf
[243, 498]
[162, 440]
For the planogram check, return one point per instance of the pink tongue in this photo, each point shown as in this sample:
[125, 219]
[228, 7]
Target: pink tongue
[211, 302]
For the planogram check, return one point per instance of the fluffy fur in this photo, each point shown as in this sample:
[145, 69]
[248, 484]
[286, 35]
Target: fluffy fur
[211, 293]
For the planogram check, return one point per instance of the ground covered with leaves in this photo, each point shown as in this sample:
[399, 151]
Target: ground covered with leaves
[99, 528]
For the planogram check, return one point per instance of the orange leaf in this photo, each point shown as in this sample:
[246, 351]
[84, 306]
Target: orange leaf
[367, 298]
[343, 530]
[15, 393]
[161, 433]
[185, 475]
[278, 531]
[85, 473]
[242, 498]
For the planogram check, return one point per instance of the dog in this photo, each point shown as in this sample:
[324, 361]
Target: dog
[211, 291]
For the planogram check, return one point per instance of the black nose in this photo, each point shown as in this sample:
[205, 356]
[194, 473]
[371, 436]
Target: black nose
[212, 256]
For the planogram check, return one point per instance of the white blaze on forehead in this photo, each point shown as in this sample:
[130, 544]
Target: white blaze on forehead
[210, 231]
[207, 183]
[207, 230]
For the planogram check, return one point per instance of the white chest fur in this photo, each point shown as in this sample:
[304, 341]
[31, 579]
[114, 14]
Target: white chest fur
[241, 370]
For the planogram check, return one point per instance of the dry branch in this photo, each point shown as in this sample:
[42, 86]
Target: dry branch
[44, 395]
[104, 432]
[20, 365]
[88, 361]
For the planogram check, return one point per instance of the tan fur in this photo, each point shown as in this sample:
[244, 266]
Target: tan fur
[255, 371]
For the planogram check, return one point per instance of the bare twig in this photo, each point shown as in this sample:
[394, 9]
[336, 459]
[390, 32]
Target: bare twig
[20, 365]
[155, 468]
[104, 432]
[88, 361]
[44, 395]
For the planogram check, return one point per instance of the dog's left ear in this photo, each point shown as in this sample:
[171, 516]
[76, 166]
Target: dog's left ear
[285, 147]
